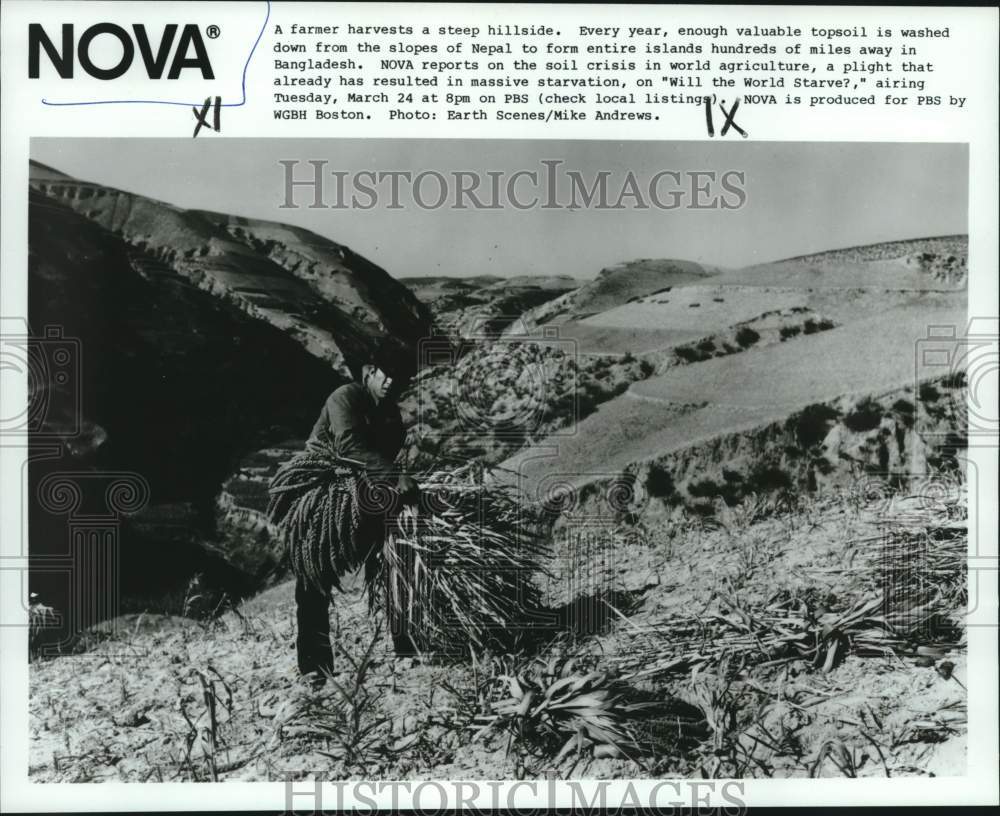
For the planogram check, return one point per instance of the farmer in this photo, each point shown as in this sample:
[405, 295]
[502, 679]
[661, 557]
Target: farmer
[363, 420]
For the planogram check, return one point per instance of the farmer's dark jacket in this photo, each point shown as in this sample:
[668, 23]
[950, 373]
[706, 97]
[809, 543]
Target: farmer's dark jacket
[368, 432]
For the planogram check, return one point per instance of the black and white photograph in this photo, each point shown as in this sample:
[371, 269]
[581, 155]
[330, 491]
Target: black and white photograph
[454, 458]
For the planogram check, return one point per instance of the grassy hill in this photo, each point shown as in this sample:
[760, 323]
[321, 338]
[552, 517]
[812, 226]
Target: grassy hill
[939, 263]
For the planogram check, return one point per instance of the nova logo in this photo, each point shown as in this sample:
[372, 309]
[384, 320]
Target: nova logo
[62, 57]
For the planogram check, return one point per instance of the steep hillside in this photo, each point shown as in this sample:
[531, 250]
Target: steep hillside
[334, 302]
[342, 277]
[648, 307]
[758, 528]
[809, 636]
[203, 338]
[167, 382]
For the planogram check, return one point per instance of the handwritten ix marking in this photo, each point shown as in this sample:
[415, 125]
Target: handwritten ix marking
[200, 115]
[729, 114]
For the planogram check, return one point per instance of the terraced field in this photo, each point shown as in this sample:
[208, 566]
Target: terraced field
[867, 356]
[724, 395]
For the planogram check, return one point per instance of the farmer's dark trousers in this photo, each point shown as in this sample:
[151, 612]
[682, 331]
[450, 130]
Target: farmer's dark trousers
[312, 643]
[312, 616]
[397, 617]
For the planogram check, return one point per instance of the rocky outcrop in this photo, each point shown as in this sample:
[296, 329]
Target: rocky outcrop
[484, 307]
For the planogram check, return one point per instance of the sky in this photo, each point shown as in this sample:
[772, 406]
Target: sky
[800, 197]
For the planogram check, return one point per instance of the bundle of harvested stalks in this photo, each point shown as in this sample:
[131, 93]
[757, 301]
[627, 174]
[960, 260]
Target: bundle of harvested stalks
[456, 568]
[331, 517]
[459, 565]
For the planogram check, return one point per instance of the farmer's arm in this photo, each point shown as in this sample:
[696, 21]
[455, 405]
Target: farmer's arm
[346, 409]
[322, 423]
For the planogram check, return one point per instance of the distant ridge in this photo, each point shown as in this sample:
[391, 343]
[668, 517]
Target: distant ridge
[885, 250]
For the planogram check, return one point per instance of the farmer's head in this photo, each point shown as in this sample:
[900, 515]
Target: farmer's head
[383, 369]
[377, 382]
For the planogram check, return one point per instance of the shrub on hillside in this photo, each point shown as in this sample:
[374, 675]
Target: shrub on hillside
[747, 336]
[660, 482]
[811, 424]
[865, 416]
[812, 326]
[905, 410]
[690, 354]
[766, 478]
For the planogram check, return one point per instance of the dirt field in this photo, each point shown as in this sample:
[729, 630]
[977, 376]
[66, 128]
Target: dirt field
[172, 699]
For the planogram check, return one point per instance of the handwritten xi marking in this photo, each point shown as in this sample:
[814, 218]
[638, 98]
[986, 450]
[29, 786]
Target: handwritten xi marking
[729, 114]
[200, 115]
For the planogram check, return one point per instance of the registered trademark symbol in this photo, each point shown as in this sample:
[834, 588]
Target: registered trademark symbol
[213, 31]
